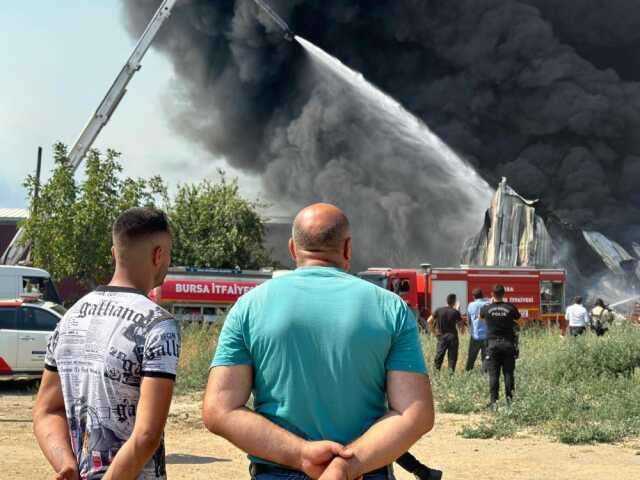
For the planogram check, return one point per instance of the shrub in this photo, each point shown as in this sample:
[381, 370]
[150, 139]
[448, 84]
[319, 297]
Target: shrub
[578, 390]
[198, 344]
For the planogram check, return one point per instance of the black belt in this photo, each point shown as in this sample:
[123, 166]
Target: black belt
[263, 468]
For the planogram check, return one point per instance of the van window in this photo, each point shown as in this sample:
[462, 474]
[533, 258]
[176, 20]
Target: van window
[38, 319]
[8, 318]
[42, 285]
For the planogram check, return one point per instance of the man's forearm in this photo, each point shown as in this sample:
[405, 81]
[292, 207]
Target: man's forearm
[385, 441]
[130, 459]
[52, 432]
[260, 437]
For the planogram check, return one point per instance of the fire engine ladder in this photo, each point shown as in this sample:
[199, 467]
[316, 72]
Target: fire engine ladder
[17, 250]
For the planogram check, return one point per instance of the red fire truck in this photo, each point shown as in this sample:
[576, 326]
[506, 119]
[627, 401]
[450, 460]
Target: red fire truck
[538, 293]
[203, 294]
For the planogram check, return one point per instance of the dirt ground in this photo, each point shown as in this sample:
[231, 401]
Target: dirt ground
[193, 453]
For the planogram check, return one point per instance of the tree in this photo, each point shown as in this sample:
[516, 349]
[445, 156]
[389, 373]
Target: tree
[69, 228]
[215, 227]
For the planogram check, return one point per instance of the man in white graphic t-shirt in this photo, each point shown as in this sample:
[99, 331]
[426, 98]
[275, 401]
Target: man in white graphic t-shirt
[110, 366]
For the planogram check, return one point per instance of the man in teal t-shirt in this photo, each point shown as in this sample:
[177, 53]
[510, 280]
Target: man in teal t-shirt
[327, 356]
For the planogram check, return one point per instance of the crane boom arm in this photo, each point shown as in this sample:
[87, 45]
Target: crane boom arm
[119, 87]
[17, 251]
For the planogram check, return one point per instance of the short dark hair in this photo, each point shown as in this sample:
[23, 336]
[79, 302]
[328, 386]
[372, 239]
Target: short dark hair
[498, 290]
[138, 222]
[451, 299]
[477, 293]
[329, 237]
[600, 303]
[577, 299]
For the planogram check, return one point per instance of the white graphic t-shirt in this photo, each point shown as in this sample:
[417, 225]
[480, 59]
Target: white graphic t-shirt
[101, 349]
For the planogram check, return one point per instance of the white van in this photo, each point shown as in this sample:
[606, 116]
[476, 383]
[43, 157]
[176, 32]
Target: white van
[16, 282]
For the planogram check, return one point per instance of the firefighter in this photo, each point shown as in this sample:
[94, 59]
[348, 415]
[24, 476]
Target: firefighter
[502, 344]
[446, 321]
[601, 318]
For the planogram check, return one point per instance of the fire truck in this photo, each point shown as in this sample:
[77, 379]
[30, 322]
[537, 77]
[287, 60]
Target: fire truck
[204, 295]
[538, 293]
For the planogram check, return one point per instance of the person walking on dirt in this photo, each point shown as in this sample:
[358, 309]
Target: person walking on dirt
[419, 470]
[110, 366]
[601, 318]
[478, 331]
[446, 321]
[502, 343]
[334, 362]
[577, 317]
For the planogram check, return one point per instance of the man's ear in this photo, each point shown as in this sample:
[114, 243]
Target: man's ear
[156, 257]
[292, 249]
[113, 254]
[347, 249]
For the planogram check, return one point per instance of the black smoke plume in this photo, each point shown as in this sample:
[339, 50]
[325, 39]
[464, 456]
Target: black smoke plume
[540, 91]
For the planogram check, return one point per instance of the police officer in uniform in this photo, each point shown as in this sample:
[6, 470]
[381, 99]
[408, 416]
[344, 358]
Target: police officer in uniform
[502, 348]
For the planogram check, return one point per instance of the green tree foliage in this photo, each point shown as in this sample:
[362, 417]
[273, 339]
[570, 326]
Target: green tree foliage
[69, 228]
[215, 227]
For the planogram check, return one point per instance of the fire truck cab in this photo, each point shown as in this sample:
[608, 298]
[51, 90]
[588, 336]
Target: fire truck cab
[403, 282]
[539, 294]
[204, 295]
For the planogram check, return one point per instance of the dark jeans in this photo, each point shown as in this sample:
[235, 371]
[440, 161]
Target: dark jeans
[475, 347]
[576, 331]
[275, 473]
[447, 343]
[501, 355]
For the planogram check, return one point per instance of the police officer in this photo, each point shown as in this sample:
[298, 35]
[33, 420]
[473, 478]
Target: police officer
[502, 348]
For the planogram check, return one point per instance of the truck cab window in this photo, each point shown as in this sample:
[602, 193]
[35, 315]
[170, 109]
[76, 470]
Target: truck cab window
[551, 297]
[405, 286]
[376, 279]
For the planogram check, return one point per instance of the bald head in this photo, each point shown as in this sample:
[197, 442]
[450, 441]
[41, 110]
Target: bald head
[321, 232]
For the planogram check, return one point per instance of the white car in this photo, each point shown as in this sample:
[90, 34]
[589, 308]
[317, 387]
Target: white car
[25, 327]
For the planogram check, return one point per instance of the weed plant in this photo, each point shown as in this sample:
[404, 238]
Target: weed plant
[577, 390]
[199, 341]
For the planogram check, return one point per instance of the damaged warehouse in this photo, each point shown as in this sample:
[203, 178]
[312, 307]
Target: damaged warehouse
[521, 232]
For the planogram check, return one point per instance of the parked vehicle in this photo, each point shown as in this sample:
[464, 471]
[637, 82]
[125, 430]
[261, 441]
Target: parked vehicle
[204, 295]
[25, 327]
[537, 292]
[17, 281]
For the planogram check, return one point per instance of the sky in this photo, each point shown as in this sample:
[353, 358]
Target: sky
[58, 60]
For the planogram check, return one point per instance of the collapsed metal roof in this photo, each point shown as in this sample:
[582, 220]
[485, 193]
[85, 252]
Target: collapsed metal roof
[512, 234]
[612, 253]
[515, 234]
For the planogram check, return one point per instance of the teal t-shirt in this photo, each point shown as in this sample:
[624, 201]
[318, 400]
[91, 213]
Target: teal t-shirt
[320, 342]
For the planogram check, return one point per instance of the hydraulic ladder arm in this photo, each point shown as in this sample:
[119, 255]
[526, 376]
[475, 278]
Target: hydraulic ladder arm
[16, 251]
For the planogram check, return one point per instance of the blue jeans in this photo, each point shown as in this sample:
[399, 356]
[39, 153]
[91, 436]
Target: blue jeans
[282, 474]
